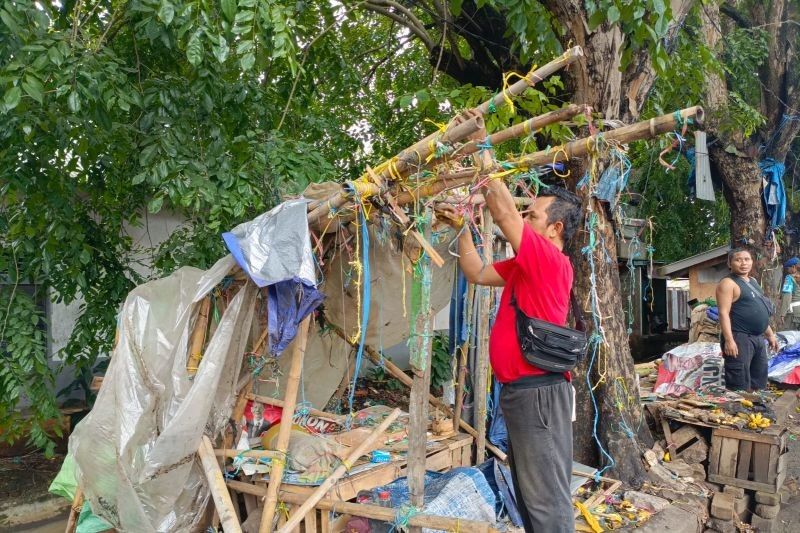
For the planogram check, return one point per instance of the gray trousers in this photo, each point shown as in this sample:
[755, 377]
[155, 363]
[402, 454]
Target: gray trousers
[539, 422]
[748, 370]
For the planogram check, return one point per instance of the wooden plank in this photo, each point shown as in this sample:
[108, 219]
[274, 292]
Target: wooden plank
[774, 456]
[745, 453]
[250, 503]
[746, 435]
[761, 453]
[743, 483]
[784, 406]
[310, 522]
[727, 457]
[782, 462]
[325, 521]
[667, 435]
[713, 456]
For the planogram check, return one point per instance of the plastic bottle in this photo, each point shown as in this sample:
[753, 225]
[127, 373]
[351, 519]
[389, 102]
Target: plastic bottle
[385, 499]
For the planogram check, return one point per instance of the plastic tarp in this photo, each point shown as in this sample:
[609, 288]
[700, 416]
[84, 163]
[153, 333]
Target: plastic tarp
[274, 249]
[690, 366]
[136, 450]
[459, 493]
[774, 195]
[327, 355]
[785, 366]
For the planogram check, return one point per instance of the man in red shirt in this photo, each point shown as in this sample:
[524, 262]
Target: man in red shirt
[537, 405]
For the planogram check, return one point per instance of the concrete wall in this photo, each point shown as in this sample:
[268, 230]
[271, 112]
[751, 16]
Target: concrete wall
[152, 231]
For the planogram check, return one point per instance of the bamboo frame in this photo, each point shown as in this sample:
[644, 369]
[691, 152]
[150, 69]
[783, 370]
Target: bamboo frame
[462, 362]
[282, 445]
[401, 376]
[216, 485]
[198, 338]
[280, 403]
[482, 359]
[300, 513]
[371, 511]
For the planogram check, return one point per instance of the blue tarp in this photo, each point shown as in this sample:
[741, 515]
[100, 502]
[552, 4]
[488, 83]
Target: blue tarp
[774, 195]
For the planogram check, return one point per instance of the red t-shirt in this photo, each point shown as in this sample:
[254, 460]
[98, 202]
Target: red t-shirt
[541, 277]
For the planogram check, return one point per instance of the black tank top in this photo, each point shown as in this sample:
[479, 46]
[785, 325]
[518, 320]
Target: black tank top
[749, 313]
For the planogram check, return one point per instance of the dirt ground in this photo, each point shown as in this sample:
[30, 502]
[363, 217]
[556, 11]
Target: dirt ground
[789, 517]
[24, 481]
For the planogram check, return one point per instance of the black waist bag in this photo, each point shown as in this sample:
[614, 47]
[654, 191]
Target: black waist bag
[548, 346]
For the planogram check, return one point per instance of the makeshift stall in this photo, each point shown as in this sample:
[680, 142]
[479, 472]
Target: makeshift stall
[211, 412]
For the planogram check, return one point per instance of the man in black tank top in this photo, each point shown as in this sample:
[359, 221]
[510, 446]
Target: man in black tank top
[744, 314]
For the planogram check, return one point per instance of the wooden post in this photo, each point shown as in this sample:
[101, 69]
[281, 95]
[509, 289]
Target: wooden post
[282, 446]
[376, 512]
[216, 484]
[482, 358]
[75, 510]
[403, 378]
[198, 336]
[461, 372]
[421, 351]
[300, 513]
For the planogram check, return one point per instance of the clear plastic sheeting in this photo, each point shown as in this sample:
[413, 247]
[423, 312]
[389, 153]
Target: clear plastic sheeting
[135, 451]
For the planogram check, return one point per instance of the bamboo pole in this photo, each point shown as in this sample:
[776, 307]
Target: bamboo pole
[403, 378]
[300, 513]
[198, 337]
[565, 59]
[419, 152]
[280, 403]
[216, 484]
[482, 359]
[641, 130]
[282, 446]
[525, 128]
[75, 510]
[372, 511]
[420, 389]
[462, 361]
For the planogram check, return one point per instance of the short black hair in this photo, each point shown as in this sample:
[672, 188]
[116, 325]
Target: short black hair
[734, 251]
[566, 208]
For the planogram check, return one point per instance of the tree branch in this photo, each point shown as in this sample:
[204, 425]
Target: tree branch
[731, 12]
[411, 22]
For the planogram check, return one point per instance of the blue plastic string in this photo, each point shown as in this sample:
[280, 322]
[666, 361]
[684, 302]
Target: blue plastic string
[365, 303]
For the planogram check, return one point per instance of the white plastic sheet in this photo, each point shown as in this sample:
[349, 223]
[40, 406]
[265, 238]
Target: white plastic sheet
[136, 449]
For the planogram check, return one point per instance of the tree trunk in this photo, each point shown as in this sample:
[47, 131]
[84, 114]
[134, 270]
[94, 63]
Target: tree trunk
[610, 376]
[733, 158]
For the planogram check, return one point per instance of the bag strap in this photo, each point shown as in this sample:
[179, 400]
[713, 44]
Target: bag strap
[577, 312]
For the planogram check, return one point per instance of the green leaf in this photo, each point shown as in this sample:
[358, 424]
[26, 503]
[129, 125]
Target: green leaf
[596, 18]
[12, 98]
[34, 88]
[166, 13]
[612, 14]
[74, 102]
[9, 21]
[221, 51]
[229, 9]
[194, 50]
[55, 56]
[154, 206]
[247, 61]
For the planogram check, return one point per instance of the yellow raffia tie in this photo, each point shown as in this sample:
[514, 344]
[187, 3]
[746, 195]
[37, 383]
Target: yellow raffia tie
[357, 266]
[283, 509]
[589, 517]
[558, 150]
[507, 78]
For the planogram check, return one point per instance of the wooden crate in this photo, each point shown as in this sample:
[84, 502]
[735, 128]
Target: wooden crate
[748, 460]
